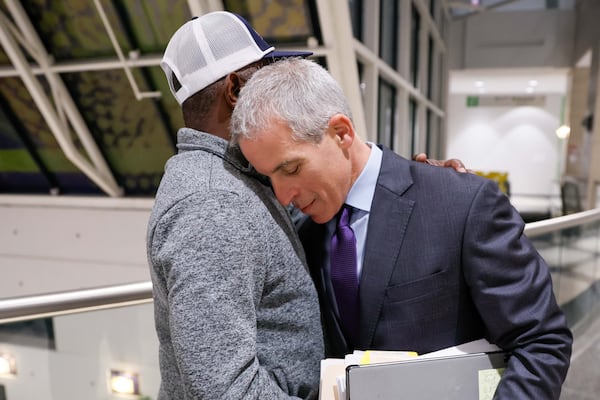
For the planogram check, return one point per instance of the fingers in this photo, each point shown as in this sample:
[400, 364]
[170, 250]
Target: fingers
[421, 157]
[456, 164]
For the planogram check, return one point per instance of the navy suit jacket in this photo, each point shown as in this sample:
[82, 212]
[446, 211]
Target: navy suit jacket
[446, 262]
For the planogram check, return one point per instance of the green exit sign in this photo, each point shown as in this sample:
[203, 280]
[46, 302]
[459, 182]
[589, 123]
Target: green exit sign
[472, 101]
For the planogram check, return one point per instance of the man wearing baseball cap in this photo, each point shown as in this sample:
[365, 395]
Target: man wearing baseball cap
[236, 312]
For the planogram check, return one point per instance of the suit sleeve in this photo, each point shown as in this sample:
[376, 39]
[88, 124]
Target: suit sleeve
[512, 289]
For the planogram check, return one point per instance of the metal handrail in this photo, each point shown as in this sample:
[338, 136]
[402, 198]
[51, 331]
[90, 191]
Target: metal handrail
[55, 304]
[566, 221]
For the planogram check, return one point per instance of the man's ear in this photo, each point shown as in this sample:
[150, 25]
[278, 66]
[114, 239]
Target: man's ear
[233, 85]
[340, 126]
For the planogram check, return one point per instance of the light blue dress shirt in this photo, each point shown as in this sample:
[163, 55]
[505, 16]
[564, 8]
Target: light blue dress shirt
[360, 197]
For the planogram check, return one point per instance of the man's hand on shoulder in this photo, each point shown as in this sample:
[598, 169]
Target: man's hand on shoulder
[451, 163]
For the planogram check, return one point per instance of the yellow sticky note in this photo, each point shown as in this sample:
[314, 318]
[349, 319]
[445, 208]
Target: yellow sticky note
[381, 356]
[488, 382]
[366, 358]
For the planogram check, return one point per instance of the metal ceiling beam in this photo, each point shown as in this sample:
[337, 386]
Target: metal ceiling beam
[201, 7]
[98, 171]
[475, 10]
[139, 95]
[87, 65]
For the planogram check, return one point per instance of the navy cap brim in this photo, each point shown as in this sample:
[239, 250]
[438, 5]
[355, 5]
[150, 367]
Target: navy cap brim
[288, 54]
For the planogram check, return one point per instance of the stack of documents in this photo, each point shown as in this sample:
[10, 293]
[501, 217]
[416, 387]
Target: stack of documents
[333, 370]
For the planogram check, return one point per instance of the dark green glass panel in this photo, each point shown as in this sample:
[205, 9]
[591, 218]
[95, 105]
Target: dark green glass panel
[130, 132]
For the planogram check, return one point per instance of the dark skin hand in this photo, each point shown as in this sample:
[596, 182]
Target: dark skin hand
[451, 163]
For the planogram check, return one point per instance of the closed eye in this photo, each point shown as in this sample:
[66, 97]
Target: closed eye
[291, 167]
[293, 170]
[288, 167]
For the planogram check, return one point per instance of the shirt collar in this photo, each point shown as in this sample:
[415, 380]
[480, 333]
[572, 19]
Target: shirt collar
[362, 191]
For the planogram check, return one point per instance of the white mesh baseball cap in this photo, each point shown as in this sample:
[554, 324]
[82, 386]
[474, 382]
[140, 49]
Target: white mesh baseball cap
[207, 48]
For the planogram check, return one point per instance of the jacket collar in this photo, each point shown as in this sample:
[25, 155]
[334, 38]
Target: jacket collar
[192, 140]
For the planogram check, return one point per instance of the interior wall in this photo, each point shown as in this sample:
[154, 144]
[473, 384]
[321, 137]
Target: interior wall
[518, 140]
[88, 346]
[515, 39]
[52, 244]
[587, 29]
[56, 244]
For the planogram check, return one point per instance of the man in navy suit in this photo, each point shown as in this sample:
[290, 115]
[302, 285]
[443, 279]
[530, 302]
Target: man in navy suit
[440, 256]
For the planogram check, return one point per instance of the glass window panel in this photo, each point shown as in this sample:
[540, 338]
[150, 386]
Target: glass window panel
[572, 255]
[435, 10]
[414, 46]
[73, 29]
[388, 32]
[442, 23]
[356, 16]
[433, 135]
[135, 136]
[361, 81]
[321, 60]
[279, 22]
[430, 79]
[438, 80]
[428, 128]
[49, 156]
[131, 133]
[412, 114]
[21, 169]
[387, 111]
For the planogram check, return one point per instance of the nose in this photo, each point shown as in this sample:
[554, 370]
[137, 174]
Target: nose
[285, 193]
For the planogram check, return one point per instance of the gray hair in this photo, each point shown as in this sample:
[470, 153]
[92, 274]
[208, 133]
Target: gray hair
[295, 91]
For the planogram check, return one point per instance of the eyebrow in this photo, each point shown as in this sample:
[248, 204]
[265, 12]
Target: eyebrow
[284, 164]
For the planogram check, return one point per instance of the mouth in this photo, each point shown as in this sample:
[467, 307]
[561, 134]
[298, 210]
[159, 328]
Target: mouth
[306, 207]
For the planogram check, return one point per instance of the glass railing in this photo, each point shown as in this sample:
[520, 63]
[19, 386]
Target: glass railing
[571, 247]
[87, 344]
[91, 344]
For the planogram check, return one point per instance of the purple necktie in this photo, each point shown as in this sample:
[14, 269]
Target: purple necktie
[343, 274]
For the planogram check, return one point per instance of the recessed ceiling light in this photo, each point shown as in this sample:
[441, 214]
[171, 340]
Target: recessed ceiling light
[8, 365]
[479, 83]
[533, 82]
[563, 131]
[121, 382]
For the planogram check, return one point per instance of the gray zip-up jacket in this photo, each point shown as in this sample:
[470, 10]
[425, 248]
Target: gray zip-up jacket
[236, 312]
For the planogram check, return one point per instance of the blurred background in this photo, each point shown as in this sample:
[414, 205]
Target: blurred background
[87, 122]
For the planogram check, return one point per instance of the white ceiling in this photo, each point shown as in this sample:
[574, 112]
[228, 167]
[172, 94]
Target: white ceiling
[525, 81]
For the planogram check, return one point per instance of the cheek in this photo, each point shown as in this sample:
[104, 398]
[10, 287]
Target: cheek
[329, 186]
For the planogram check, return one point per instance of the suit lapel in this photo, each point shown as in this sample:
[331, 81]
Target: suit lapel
[388, 220]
